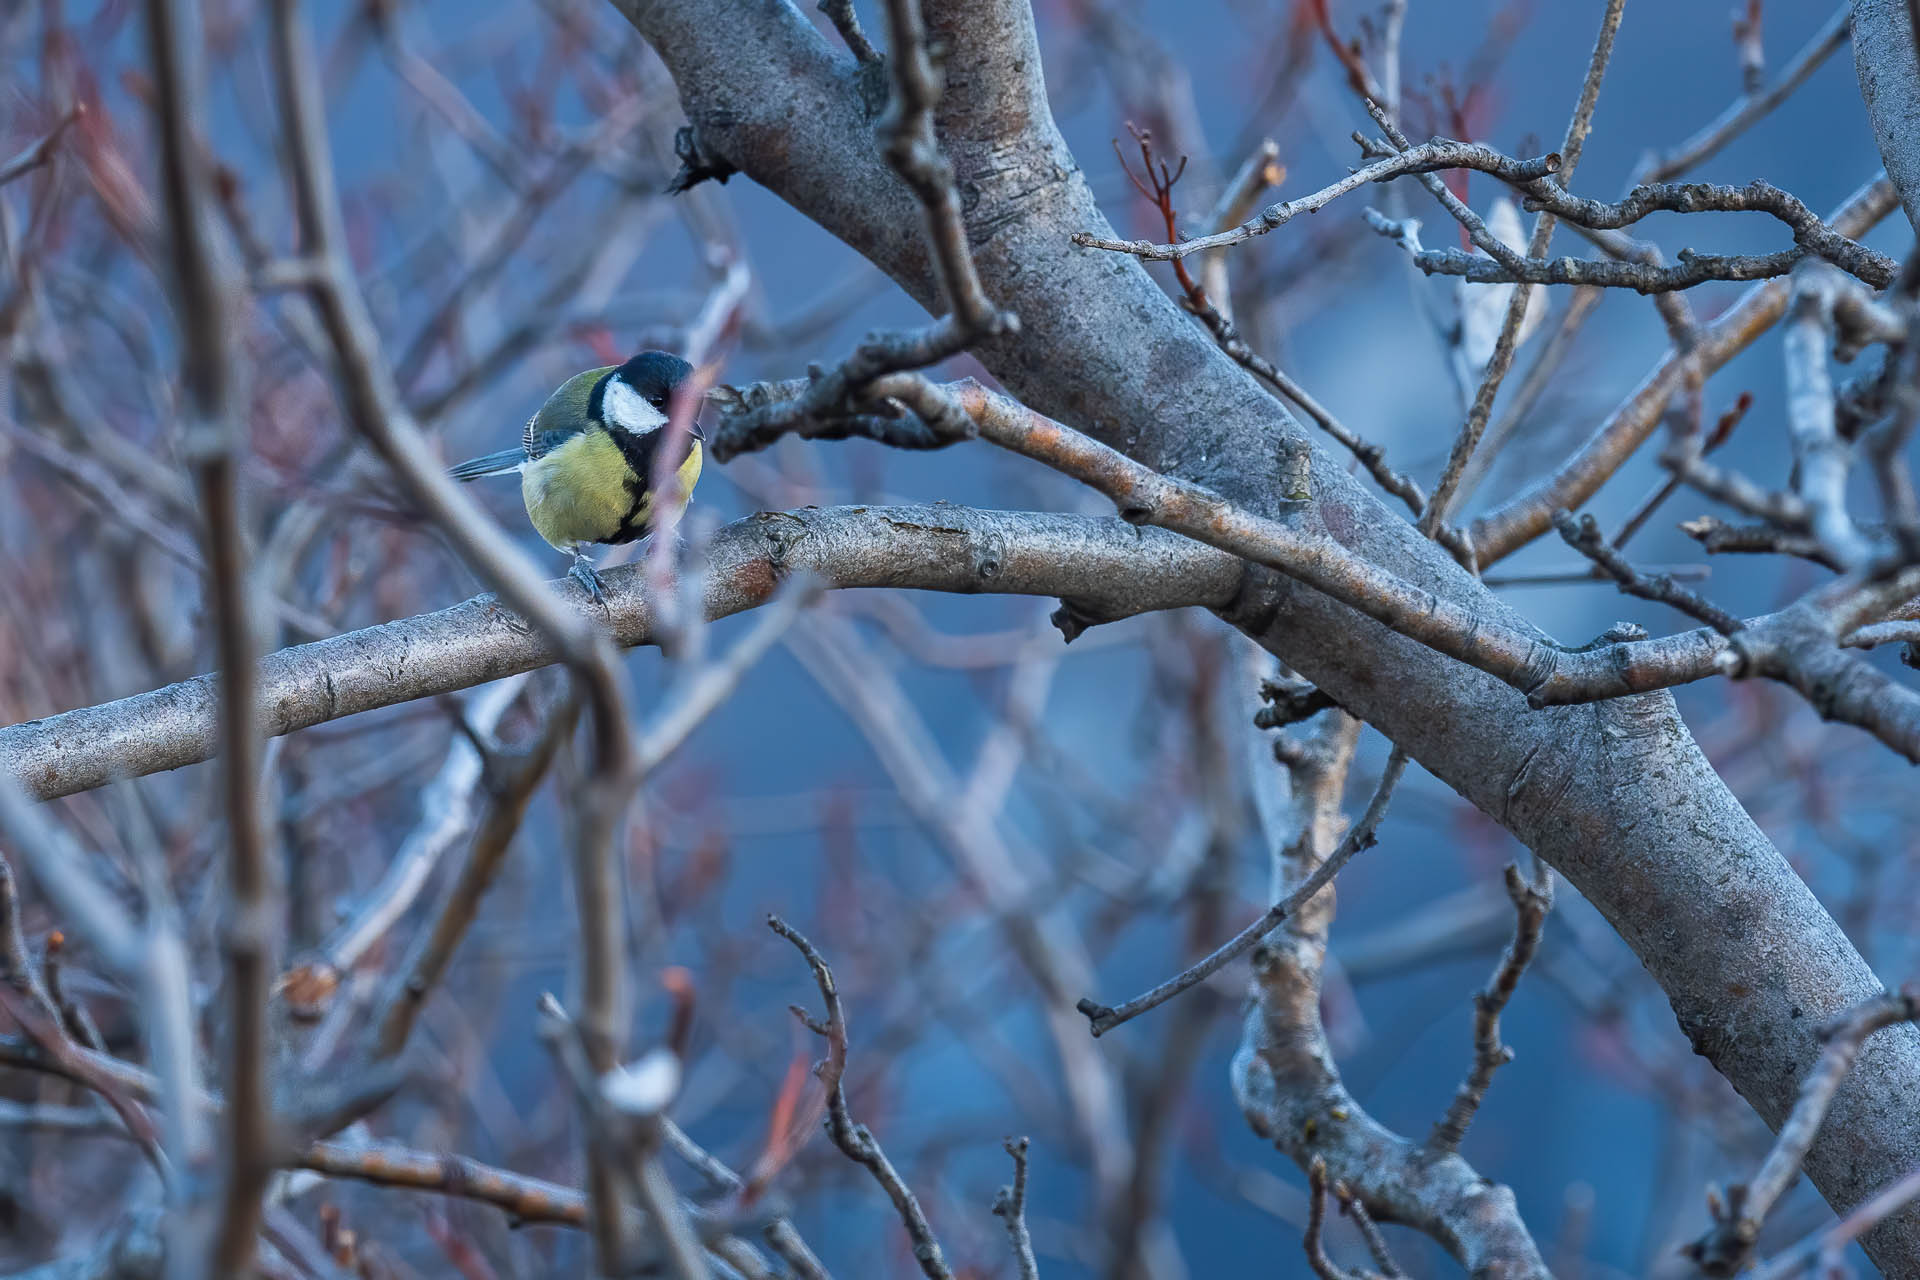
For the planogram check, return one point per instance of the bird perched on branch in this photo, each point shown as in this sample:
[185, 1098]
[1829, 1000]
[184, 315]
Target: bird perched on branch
[588, 458]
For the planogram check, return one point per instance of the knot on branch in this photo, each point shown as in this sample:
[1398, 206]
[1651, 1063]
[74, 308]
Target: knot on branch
[696, 166]
[1727, 1248]
[1288, 702]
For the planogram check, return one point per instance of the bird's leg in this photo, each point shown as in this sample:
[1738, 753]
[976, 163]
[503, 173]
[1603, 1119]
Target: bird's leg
[583, 573]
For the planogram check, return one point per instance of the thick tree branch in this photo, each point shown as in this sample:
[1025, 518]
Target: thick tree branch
[1284, 1074]
[1888, 66]
[1108, 568]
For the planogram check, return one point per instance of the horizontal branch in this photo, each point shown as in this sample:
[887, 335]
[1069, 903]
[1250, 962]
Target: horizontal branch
[1809, 232]
[1642, 277]
[1428, 157]
[1103, 567]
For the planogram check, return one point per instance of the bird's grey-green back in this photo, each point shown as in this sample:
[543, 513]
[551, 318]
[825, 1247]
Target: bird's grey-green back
[563, 415]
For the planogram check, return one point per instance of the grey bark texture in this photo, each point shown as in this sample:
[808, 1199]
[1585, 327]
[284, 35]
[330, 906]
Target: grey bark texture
[1107, 568]
[1888, 66]
[1617, 796]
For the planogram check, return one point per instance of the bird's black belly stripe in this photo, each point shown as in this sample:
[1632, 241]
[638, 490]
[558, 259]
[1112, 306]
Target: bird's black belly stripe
[640, 452]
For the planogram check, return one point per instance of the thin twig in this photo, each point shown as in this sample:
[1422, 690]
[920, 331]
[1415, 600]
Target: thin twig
[1828, 1243]
[1821, 458]
[1104, 1018]
[16, 962]
[840, 13]
[509, 791]
[1439, 507]
[1354, 1207]
[523, 1198]
[1441, 153]
[779, 1233]
[1323, 1266]
[1750, 107]
[855, 1139]
[1010, 1206]
[214, 444]
[1722, 430]
[1727, 1247]
[1582, 533]
[1531, 903]
[39, 153]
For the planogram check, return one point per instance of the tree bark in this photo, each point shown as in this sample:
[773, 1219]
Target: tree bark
[1888, 66]
[1107, 568]
[1618, 797]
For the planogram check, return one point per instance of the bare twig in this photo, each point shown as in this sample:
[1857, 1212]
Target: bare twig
[509, 790]
[524, 1199]
[16, 962]
[1829, 1243]
[1751, 106]
[74, 1018]
[213, 443]
[1104, 1018]
[1010, 1206]
[1647, 278]
[1582, 533]
[1356, 1208]
[1323, 1266]
[1722, 430]
[1728, 1247]
[1440, 505]
[1428, 157]
[1821, 457]
[1531, 902]
[779, 1232]
[855, 1139]
[840, 13]
[1717, 537]
[39, 153]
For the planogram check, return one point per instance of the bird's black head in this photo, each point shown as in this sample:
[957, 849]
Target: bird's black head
[636, 396]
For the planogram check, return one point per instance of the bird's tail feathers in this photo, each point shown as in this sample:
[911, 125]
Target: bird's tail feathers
[493, 464]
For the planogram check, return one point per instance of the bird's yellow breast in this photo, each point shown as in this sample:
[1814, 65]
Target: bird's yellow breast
[578, 491]
[584, 490]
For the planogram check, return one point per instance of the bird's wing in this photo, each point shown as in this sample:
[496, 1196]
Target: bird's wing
[538, 441]
[568, 405]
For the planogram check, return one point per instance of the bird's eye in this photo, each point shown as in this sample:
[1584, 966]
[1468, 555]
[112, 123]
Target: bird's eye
[658, 402]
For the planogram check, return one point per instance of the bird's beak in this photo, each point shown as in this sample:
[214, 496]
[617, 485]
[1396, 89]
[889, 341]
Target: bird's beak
[697, 431]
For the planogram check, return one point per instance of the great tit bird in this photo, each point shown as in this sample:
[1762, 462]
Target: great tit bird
[587, 458]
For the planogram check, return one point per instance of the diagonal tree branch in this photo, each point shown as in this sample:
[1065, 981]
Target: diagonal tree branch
[1887, 63]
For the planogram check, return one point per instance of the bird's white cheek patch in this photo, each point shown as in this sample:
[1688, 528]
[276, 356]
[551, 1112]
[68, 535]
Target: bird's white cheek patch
[624, 407]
